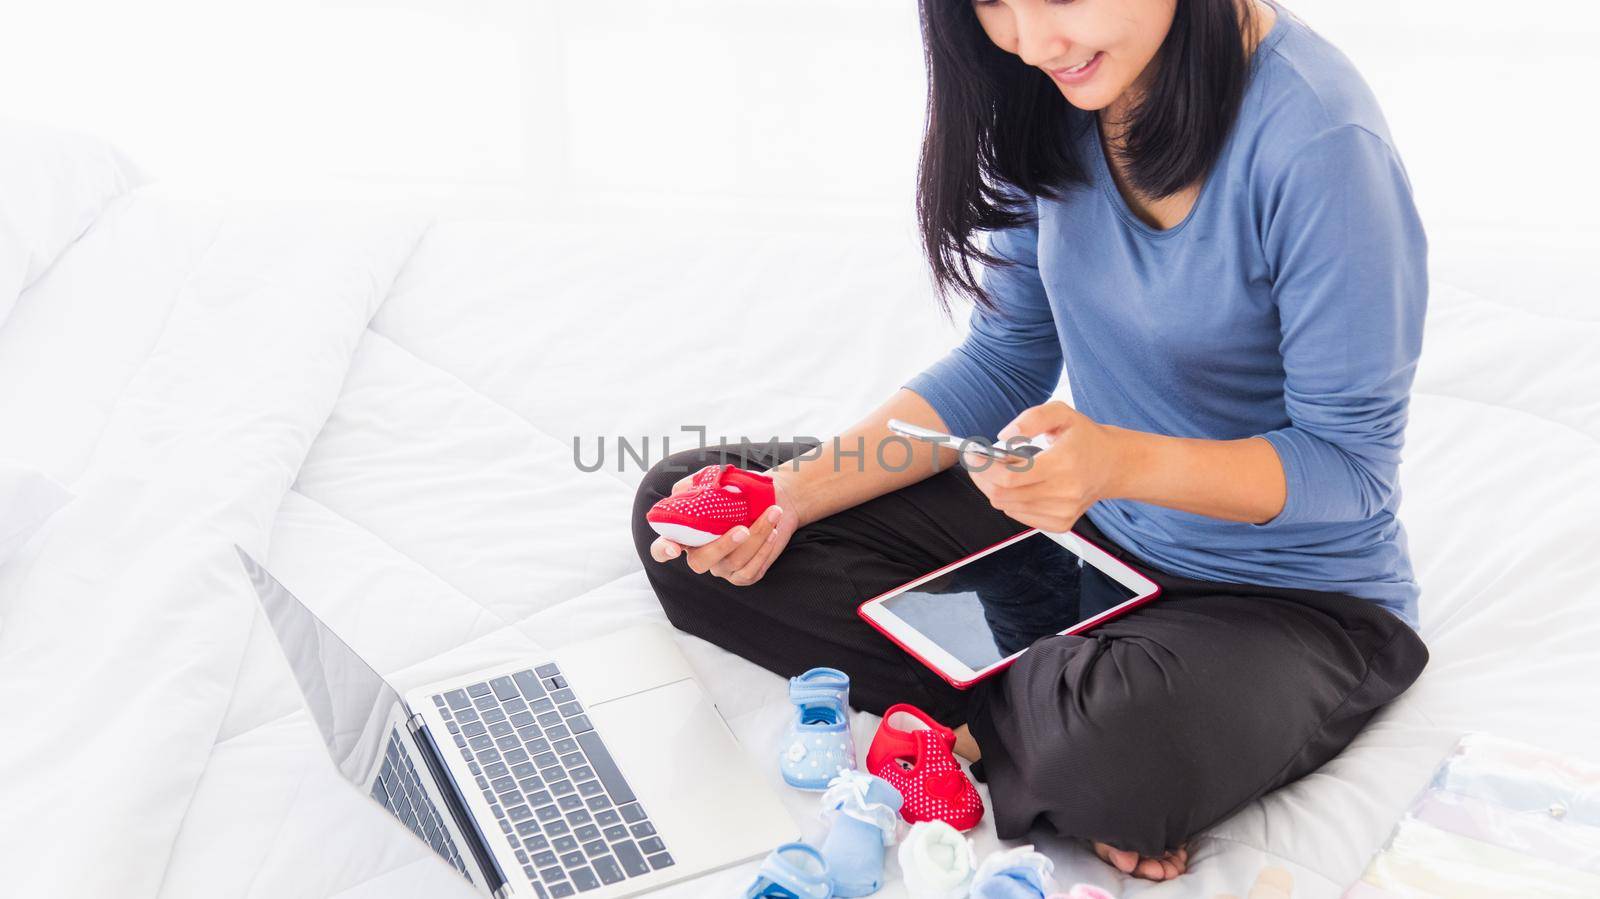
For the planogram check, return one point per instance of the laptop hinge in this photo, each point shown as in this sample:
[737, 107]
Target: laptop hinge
[457, 803]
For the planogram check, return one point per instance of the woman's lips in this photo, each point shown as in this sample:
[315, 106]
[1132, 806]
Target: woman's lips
[1080, 74]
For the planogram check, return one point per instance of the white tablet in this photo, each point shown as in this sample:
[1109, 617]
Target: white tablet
[975, 616]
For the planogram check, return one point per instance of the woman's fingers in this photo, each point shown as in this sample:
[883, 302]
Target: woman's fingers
[751, 546]
[770, 546]
[664, 550]
[701, 558]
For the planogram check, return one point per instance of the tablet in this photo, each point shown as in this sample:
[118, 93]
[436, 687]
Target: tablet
[975, 616]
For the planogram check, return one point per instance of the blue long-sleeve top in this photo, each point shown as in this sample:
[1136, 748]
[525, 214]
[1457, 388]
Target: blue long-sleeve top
[1288, 305]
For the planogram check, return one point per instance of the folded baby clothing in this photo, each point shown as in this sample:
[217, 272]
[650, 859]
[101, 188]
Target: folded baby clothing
[818, 746]
[936, 861]
[865, 815]
[791, 871]
[1019, 873]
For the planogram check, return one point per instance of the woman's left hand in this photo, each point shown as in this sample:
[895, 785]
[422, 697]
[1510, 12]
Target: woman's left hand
[1051, 492]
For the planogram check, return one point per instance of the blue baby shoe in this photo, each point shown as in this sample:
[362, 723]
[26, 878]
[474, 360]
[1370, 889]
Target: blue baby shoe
[791, 871]
[865, 812]
[818, 746]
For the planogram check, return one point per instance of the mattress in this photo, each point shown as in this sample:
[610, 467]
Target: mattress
[391, 411]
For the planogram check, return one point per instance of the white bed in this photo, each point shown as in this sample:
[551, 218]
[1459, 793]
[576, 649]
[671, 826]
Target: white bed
[385, 408]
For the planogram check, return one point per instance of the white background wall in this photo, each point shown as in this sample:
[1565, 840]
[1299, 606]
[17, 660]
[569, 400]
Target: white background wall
[764, 110]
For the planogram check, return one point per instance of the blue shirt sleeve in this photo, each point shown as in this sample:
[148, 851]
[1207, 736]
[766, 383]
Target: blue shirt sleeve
[1349, 263]
[1011, 358]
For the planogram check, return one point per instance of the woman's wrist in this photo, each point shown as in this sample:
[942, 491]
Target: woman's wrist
[790, 492]
[1132, 452]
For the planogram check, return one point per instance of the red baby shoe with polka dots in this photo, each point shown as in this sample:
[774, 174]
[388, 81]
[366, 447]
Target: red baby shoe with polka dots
[719, 498]
[914, 754]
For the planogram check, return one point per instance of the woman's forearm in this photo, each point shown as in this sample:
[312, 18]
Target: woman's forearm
[865, 461]
[1237, 480]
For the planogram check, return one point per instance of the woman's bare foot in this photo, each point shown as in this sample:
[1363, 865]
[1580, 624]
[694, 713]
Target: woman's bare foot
[1128, 862]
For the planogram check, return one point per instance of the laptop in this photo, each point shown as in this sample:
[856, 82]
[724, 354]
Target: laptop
[601, 769]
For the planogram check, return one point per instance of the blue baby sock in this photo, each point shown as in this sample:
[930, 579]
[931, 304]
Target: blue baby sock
[1019, 873]
[791, 871]
[865, 811]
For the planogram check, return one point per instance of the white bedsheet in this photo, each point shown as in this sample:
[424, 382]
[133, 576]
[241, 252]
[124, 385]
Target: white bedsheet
[386, 411]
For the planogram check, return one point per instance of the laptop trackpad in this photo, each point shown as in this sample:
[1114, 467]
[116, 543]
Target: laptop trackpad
[692, 777]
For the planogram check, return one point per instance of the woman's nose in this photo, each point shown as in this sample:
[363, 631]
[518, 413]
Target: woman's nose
[1039, 38]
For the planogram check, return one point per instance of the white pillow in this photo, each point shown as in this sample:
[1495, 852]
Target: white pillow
[53, 184]
[28, 498]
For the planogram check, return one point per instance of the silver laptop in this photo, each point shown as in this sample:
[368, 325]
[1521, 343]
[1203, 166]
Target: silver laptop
[599, 770]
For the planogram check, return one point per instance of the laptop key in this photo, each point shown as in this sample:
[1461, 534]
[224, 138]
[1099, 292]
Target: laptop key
[562, 696]
[542, 704]
[508, 743]
[536, 842]
[632, 813]
[478, 689]
[548, 813]
[572, 760]
[562, 890]
[474, 729]
[587, 833]
[480, 742]
[502, 729]
[504, 687]
[513, 706]
[439, 701]
[558, 732]
[566, 746]
[490, 716]
[485, 702]
[544, 859]
[504, 824]
[659, 861]
[452, 727]
[609, 816]
[644, 829]
[616, 832]
[504, 784]
[601, 761]
[528, 828]
[522, 769]
[652, 846]
[567, 843]
[552, 873]
[548, 669]
[631, 858]
[529, 684]
[585, 880]
[521, 719]
[569, 803]
[520, 813]
[538, 745]
[467, 714]
[561, 787]
[569, 710]
[558, 681]
[557, 828]
[511, 798]
[589, 788]
[496, 770]
[458, 699]
[608, 869]
[549, 719]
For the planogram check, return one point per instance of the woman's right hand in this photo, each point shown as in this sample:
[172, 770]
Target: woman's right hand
[742, 555]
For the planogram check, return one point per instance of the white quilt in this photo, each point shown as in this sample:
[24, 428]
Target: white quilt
[386, 411]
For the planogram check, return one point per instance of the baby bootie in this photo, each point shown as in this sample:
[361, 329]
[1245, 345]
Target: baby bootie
[913, 753]
[1083, 891]
[1018, 873]
[791, 871]
[819, 746]
[936, 861]
[865, 812]
[719, 499]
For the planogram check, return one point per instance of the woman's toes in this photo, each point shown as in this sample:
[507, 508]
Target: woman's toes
[1150, 869]
[1122, 859]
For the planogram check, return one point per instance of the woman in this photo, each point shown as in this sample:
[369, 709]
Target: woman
[1195, 207]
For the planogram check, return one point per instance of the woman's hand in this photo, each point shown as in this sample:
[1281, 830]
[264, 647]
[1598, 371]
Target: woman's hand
[1081, 467]
[742, 555]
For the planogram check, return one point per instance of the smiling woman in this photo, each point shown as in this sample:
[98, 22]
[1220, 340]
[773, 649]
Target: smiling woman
[1194, 211]
[1170, 76]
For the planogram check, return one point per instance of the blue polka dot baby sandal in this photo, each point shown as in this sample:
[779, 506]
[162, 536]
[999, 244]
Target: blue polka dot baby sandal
[819, 744]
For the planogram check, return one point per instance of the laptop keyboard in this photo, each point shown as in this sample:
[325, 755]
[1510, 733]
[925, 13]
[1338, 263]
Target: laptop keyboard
[399, 789]
[560, 800]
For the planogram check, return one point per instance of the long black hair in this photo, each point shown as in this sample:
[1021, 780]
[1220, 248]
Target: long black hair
[996, 125]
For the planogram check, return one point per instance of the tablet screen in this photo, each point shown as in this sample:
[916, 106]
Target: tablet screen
[996, 606]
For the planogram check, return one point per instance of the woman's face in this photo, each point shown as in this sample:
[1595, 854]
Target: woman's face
[1094, 50]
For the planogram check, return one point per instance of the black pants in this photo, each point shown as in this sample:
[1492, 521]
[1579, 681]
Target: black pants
[1139, 733]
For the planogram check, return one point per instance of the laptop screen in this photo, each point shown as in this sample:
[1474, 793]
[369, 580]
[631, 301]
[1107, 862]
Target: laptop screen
[350, 702]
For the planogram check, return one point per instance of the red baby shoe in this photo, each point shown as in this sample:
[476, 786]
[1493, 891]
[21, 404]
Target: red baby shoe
[913, 753]
[719, 498]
